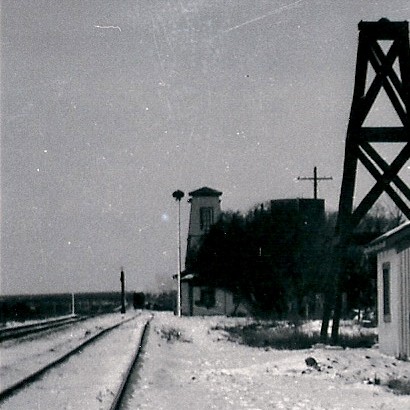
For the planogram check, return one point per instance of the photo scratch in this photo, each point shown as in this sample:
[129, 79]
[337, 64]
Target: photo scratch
[273, 12]
[111, 27]
[161, 65]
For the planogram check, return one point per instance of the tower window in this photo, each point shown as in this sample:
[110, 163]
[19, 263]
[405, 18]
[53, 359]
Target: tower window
[206, 218]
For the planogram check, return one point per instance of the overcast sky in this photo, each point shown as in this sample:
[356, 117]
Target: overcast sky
[107, 107]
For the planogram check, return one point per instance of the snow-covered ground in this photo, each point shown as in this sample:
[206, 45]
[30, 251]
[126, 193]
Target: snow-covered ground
[88, 380]
[202, 369]
[189, 365]
[21, 357]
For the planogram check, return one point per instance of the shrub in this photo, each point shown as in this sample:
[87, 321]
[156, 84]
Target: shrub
[288, 336]
[171, 334]
[399, 386]
[358, 340]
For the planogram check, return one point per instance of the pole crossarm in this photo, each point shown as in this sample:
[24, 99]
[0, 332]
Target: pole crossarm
[315, 180]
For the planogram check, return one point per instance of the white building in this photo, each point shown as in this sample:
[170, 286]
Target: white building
[205, 211]
[393, 290]
[198, 297]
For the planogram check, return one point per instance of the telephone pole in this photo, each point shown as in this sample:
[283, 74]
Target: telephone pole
[315, 180]
[122, 280]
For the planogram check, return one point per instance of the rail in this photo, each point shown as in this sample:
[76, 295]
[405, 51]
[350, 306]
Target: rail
[22, 383]
[119, 396]
[24, 330]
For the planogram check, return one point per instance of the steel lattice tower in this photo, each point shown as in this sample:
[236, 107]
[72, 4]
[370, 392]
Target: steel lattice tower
[392, 74]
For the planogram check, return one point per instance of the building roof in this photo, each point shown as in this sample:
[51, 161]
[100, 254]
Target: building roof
[297, 200]
[397, 237]
[205, 191]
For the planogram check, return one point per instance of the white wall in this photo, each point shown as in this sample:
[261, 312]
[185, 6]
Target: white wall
[388, 331]
[195, 232]
[404, 345]
[223, 303]
[185, 299]
[394, 335]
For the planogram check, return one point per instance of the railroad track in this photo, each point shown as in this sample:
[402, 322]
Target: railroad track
[125, 384]
[50, 375]
[24, 330]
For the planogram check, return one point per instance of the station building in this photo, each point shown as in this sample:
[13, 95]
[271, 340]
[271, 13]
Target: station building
[393, 290]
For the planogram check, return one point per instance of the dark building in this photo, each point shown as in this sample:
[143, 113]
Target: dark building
[306, 216]
[305, 220]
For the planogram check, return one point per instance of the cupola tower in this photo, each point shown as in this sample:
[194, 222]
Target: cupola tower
[205, 211]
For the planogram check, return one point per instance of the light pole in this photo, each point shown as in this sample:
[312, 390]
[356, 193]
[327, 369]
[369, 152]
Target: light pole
[178, 195]
[122, 280]
[72, 304]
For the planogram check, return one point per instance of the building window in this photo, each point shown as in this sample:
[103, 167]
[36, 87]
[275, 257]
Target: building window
[206, 218]
[386, 292]
[207, 298]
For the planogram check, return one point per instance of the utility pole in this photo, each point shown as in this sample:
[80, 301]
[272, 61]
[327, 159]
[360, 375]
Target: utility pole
[72, 304]
[122, 279]
[315, 180]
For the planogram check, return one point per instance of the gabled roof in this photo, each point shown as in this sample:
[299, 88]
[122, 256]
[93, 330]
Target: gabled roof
[397, 237]
[205, 191]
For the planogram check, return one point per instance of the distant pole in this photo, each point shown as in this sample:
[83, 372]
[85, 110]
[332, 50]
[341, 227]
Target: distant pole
[72, 304]
[178, 195]
[315, 180]
[122, 279]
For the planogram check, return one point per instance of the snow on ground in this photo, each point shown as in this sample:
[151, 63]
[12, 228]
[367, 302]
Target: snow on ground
[187, 365]
[87, 380]
[21, 357]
